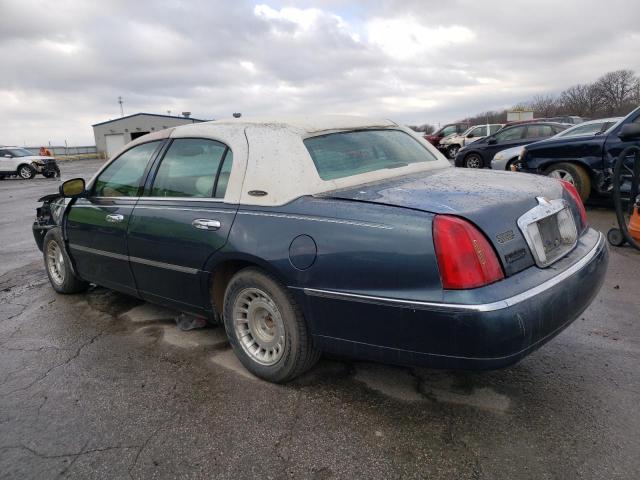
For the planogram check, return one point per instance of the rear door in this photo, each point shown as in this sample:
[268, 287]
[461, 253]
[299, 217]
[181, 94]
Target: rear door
[180, 221]
[96, 226]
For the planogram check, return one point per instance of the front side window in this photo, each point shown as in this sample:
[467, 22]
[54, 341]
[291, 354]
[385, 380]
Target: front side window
[514, 133]
[479, 132]
[190, 168]
[19, 152]
[123, 176]
[344, 154]
[449, 130]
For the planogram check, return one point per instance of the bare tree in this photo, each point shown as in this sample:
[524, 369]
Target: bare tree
[426, 128]
[616, 90]
[544, 105]
[581, 99]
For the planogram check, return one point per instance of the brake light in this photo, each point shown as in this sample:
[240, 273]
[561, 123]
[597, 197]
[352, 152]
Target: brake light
[465, 257]
[571, 190]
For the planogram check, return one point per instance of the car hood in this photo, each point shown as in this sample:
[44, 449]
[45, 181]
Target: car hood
[491, 200]
[509, 152]
[573, 140]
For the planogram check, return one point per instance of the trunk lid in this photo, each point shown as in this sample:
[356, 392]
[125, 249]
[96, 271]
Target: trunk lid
[492, 200]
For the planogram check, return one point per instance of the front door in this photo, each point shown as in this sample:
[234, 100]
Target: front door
[97, 225]
[180, 221]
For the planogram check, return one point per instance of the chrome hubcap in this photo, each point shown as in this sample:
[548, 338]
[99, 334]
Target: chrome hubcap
[55, 262]
[562, 175]
[259, 326]
[473, 162]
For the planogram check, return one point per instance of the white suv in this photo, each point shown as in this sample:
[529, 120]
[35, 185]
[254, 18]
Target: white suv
[453, 143]
[23, 163]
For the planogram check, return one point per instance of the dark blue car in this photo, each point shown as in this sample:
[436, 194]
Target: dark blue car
[479, 153]
[585, 161]
[329, 234]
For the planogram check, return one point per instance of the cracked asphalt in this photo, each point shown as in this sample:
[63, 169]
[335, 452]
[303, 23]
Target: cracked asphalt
[100, 385]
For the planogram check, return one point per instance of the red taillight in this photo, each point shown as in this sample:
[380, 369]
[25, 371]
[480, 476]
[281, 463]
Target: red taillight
[571, 190]
[465, 257]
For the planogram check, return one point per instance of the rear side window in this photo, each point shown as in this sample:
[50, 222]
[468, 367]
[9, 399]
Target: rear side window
[494, 128]
[538, 131]
[340, 155]
[189, 169]
[123, 176]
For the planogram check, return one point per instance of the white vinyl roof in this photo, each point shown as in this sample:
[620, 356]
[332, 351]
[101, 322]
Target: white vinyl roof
[269, 154]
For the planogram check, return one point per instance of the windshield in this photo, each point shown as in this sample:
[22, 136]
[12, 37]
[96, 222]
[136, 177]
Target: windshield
[19, 152]
[340, 155]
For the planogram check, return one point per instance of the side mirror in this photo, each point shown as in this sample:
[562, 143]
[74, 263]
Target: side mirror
[630, 131]
[72, 188]
[492, 141]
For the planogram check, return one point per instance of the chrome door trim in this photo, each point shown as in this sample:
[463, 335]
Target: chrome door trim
[144, 261]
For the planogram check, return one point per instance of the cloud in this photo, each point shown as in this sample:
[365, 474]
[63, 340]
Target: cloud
[64, 67]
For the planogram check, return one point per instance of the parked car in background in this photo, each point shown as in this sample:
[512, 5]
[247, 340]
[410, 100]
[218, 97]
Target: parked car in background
[479, 154]
[451, 144]
[449, 129]
[374, 247]
[585, 160]
[590, 127]
[23, 163]
[505, 158]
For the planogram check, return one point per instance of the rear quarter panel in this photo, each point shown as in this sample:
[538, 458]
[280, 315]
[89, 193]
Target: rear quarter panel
[361, 248]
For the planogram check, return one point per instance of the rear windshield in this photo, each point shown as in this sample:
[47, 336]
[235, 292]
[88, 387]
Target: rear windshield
[339, 155]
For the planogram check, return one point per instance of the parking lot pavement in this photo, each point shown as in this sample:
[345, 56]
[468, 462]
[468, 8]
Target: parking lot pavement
[100, 385]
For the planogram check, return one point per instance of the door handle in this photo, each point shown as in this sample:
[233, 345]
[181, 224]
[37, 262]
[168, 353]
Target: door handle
[206, 224]
[114, 218]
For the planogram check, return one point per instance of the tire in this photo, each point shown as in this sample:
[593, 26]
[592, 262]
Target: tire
[473, 160]
[452, 151]
[574, 174]
[615, 237]
[58, 265]
[266, 328]
[49, 174]
[26, 172]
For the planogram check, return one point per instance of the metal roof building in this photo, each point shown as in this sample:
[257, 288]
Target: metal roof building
[114, 134]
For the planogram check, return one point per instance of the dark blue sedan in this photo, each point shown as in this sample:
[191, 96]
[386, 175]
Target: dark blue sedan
[329, 234]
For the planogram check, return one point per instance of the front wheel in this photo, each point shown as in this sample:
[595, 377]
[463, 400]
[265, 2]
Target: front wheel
[58, 265]
[26, 172]
[473, 160]
[452, 151]
[49, 174]
[266, 328]
[575, 175]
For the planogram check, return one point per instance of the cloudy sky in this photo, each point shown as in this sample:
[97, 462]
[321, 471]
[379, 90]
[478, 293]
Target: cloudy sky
[64, 63]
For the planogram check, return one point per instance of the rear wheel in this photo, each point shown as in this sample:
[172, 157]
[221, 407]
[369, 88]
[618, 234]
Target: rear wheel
[473, 160]
[26, 172]
[49, 174]
[266, 328]
[575, 175]
[58, 265]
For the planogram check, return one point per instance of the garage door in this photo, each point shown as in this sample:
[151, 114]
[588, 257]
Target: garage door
[114, 144]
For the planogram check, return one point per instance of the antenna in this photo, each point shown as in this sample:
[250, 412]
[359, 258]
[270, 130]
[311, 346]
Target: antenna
[121, 109]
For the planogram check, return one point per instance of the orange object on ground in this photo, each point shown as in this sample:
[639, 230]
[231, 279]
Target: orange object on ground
[634, 223]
